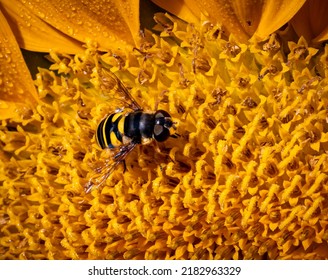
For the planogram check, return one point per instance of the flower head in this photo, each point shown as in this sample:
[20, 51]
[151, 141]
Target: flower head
[246, 179]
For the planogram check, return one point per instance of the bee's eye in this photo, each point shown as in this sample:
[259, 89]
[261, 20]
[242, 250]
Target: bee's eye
[162, 114]
[161, 133]
[163, 123]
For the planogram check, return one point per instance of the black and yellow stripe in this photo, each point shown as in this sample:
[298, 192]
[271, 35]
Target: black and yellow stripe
[117, 127]
[110, 131]
[139, 125]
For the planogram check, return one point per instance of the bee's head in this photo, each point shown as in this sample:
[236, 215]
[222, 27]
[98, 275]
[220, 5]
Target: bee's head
[163, 123]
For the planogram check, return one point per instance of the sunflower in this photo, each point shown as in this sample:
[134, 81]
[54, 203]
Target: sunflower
[244, 80]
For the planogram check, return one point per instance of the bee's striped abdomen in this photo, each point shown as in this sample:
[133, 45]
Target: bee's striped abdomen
[139, 125]
[110, 131]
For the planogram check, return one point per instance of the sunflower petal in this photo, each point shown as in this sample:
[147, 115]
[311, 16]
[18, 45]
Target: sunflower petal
[12, 110]
[311, 21]
[16, 83]
[245, 18]
[130, 13]
[242, 18]
[34, 34]
[323, 36]
[234, 16]
[110, 23]
[239, 17]
[187, 10]
[274, 14]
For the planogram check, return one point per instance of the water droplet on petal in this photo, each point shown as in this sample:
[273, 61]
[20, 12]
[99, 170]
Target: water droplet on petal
[70, 31]
[20, 91]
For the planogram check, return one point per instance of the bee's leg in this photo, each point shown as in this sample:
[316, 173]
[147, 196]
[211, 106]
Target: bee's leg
[159, 151]
[175, 135]
[119, 110]
[124, 165]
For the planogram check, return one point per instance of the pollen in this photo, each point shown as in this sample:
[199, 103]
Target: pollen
[246, 178]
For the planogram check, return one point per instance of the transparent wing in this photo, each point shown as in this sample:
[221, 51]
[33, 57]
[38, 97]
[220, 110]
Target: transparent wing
[111, 83]
[103, 173]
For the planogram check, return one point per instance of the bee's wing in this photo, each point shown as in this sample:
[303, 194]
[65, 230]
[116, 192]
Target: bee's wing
[109, 82]
[103, 173]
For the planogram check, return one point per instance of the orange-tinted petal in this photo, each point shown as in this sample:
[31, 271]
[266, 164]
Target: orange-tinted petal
[12, 110]
[34, 34]
[238, 17]
[187, 10]
[311, 21]
[16, 84]
[245, 18]
[129, 11]
[242, 18]
[274, 14]
[113, 24]
[323, 36]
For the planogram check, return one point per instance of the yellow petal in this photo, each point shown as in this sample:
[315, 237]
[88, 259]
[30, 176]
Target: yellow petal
[34, 34]
[323, 36]
[242, 18]
[187, 10]
[239, 17]
[12, 110]
[112, 24]
[16, 83]
[129, 10]
[274, 14]
[311, 21]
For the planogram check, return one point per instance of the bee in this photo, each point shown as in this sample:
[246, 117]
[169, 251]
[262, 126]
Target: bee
[127, 127]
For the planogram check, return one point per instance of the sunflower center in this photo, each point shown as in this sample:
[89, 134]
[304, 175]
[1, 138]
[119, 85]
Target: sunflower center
[245, 179]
